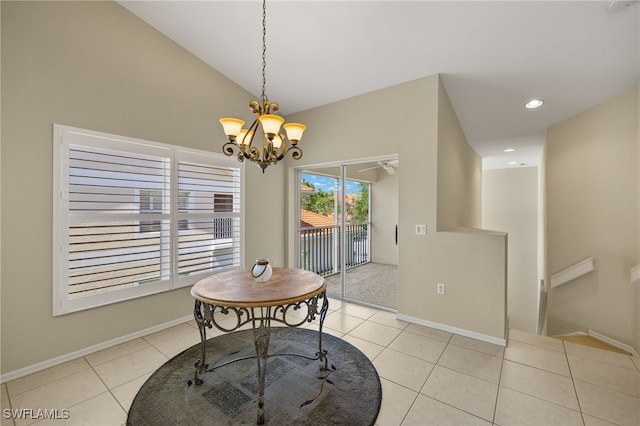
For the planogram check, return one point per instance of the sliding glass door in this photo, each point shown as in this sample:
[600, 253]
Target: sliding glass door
[335, 232]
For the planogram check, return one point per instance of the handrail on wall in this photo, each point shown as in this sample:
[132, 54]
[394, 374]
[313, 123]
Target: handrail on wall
[635, 275]
[572, 272]
[542, 308]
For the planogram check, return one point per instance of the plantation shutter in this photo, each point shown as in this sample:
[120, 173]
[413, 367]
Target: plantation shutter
[212, 240]
[136, 218]
[119, 220]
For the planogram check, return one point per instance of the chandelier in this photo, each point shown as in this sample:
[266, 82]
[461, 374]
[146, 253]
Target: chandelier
[274, 145]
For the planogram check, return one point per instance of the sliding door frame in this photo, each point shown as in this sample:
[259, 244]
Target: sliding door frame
[342, 225]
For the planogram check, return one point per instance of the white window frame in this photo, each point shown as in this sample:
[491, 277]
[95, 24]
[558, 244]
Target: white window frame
[63, 137]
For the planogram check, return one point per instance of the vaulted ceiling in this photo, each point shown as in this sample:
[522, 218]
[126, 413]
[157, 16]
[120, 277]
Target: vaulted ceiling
[493, 56]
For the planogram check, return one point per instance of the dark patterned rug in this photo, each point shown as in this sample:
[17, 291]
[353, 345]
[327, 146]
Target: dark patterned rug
[296, 393]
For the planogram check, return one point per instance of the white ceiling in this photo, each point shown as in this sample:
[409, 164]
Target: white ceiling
[493, 56]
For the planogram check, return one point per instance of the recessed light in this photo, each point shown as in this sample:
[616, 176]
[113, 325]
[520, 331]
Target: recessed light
[513, 163]
[509, 150]
[534, 103]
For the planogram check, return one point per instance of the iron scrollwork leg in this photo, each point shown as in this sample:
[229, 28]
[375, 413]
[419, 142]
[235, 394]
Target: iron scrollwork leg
[322, 353]
[260, 319]
[201, 319]
[261, 336]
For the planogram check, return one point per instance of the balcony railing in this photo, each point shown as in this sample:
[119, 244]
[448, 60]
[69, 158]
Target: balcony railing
[320, 247]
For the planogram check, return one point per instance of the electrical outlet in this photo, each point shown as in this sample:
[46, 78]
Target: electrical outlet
[440, 288]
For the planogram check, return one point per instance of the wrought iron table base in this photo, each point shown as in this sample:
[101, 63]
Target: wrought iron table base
[260, 319]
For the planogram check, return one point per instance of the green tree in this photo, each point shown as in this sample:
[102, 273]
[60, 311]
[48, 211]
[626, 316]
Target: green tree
[318, 201]
[360, 209]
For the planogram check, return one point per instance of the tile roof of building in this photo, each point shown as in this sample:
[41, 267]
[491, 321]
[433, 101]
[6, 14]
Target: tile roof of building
[312, 219]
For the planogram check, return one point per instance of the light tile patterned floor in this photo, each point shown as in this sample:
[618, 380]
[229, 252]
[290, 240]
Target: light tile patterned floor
[429, 377]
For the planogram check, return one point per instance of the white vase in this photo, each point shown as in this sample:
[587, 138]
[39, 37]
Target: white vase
[261, 270]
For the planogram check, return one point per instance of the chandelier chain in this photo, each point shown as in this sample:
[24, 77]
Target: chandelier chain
[264, 49]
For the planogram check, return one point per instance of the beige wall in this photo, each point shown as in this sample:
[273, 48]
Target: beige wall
[592, 210]
[94, 65]
[472, 265]
[510, 204]
[459, 173]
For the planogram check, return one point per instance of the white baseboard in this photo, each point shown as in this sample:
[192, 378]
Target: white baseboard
[460, 331]
[613, 342]
[575, 333]
[12, 375]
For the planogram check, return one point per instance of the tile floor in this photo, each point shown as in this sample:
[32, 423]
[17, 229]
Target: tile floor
[429, 377]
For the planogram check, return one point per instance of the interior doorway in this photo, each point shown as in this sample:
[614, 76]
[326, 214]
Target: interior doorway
[347, 229]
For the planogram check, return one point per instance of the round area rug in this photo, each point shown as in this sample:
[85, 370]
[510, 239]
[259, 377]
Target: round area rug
[297, 392]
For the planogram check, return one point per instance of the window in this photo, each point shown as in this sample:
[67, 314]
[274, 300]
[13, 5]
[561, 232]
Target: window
[222, 203]
[150, 202]
[135, 218]
[183, 207]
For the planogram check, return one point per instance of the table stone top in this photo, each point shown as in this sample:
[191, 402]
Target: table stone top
[238, 288]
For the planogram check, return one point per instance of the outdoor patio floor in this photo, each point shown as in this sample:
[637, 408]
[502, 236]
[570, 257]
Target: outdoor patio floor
[373, 283]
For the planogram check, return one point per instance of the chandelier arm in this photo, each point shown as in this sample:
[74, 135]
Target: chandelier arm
[253, 129]
[255, 107]
[229, 148]
[278, 153]
[253, 153]
[270, 153]
[283, 151]
[296, 153]
[272, 107]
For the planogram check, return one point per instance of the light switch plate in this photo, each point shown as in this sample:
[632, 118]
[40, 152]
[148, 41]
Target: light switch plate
[421, 229]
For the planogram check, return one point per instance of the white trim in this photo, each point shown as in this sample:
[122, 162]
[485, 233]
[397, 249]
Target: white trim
[613, 342]
[572, 272]
[12, 375]
[575, 333]
[455, 330]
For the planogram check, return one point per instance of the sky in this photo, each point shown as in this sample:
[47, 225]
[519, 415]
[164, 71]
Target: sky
[328, 184]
